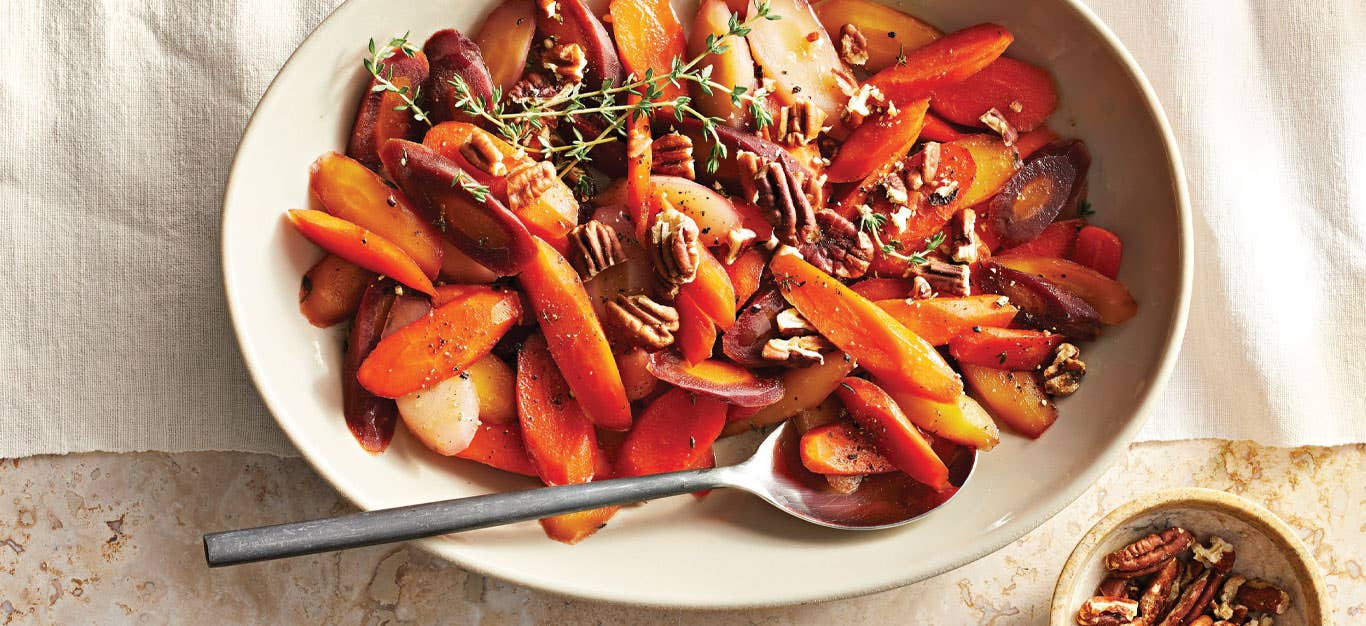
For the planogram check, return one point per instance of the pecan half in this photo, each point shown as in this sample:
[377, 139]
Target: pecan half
[594, 247]
[647, 323]
[853, 45]
[566, 60]
[797, 351]
[775, 188]
[1113, 586]
[671, 155]
[1187, 604]
[1263, 597]
[1227, 605]
[1218, 555]
[481, 152]
[1064, 374]
[1106, 610]
[1148, 554]
[532, 87]
[944, 277]
[894, 187]
[1160, 594]
[674, 248]
[527, 182]
[1206, 600]
[964, 247]
[840, 249]
[1203, 620]
[795, 125]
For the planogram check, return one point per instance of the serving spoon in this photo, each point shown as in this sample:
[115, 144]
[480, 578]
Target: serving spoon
[773, 472]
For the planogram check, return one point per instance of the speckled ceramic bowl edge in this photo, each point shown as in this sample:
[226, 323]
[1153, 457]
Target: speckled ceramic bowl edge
[1296, 553]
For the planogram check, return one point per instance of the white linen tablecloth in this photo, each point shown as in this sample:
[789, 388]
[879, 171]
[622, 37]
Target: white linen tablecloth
[121, 118]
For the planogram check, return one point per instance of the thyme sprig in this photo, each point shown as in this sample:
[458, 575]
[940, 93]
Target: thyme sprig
[872, 223]
[383, 74]
[521, 126]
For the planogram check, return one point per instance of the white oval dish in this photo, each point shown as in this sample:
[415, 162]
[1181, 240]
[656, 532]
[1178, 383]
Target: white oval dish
[1265, 548]
[729, 550]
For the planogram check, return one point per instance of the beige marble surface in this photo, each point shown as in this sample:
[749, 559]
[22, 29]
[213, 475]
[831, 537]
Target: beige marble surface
[105, 538]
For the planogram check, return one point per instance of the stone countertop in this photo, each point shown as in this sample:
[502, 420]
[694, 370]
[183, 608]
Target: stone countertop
[107, 538]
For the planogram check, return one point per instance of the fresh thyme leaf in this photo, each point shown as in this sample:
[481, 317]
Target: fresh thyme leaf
[1084, 209]
[872, 222]
[468, 183]
[383, 74]
[922, 257]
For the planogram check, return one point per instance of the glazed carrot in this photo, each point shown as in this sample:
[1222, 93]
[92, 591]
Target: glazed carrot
[1099, 249]
[360, 246]
[331, 290]
[378, 118]
[1109, 297]
[936, 129]
[712, 292]
[897, 356]
[640, 202]
[937, 320]
[895, 436]
[1021, 92]
[575, 336]
[842, 449]
[1030, 142]
[1004, 348]
[674, 432]
[351, 192]
[945, 61]
[746, 273]
[500, 446]
[1058, 240]
[559, 438]
[649, 39]
[440, 345]
[883, 289]
[877, 141]
[1016, 398]
[696, 332]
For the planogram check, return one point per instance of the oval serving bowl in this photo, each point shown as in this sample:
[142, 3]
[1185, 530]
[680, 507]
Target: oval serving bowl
[729, 550]
[1267, 548]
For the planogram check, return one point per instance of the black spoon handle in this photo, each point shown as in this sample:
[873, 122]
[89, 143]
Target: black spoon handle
[355, 530]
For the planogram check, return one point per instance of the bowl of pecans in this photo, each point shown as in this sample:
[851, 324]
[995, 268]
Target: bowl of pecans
[1190, 557]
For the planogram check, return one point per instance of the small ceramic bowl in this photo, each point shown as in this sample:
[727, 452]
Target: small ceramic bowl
[1266, 547]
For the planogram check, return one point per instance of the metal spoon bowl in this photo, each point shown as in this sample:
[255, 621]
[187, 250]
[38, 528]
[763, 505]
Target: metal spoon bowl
[774, 473]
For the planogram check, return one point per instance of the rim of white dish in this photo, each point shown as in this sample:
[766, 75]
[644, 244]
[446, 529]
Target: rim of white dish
[1003, 535]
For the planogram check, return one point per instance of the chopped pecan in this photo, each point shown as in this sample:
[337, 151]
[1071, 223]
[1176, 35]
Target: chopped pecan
[1219, 555]
[1113, 586]
[795, 125]
[791, 324]
[997, 122]
[773, 187]
[1263, 597]
[862, 104]
[737, 241]
[1227, 605]
[551, 8]
[1148, 554]
[1105, 610]
[963, 248]
[944, 277]
[840, 249]
[674, 248]
[1062, 377]
[671, 155]
[532, 87]
[814, 189]
[594, 247]
[566, 60]
[853, 45]
[797, 351]
[921, 289]
[1160, 594]
[649, 324]
[1187, 604]
[481, 152]
[933, 152]
[943, 194]
[843, 484]
[894, 187]
[528, 181]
